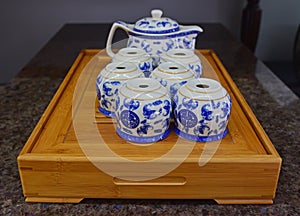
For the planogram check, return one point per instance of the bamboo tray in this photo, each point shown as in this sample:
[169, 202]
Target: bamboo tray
[53, 167]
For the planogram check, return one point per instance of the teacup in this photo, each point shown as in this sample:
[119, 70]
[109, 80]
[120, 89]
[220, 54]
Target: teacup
[108, 82]
[137, 56]
[172, 75]
[143, 111]
[187, 57]
[201, 110]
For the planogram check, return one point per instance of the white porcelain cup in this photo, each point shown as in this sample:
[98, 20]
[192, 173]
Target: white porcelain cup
[108, 82]
[137, 56]
[172, 75]
[143, 111]
[201, 110]
[187, 57]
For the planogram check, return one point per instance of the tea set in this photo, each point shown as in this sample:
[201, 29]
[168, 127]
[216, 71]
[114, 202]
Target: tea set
[158, 79]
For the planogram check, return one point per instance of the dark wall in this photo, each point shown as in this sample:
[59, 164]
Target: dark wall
[27, 25]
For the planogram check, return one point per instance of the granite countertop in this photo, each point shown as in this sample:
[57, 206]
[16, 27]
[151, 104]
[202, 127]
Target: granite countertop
[24, 99]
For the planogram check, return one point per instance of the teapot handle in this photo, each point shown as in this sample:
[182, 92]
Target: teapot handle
[114, 27]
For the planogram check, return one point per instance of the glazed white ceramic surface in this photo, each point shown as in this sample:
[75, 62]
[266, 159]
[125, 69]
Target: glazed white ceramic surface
[143, 111]
[172, 75]
[156, 35]
[156, 24]
[108, 82]
[186, 57]
[137, 56]
[201, 110]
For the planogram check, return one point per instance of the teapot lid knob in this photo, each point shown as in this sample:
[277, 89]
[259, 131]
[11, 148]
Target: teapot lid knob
[156, 13]
[156, 24]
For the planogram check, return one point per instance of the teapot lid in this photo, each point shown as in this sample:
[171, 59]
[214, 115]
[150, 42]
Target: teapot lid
[156, 24]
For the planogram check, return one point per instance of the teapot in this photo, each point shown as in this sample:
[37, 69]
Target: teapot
[156, 35]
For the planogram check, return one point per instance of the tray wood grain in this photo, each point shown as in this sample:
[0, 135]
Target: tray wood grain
[53, 167]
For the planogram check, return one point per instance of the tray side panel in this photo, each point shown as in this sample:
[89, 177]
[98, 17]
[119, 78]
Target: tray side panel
[80, 179]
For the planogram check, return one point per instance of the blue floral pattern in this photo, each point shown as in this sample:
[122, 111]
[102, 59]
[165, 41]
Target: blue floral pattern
[141, 120]
[157, 45]
[107, 96]
[175, 86]
[154, 26]
[202, 122]
[197, 68]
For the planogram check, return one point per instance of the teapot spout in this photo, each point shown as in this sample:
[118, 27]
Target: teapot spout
[192, 28]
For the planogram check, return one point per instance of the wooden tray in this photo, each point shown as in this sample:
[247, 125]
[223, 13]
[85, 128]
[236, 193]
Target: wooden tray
[53, 168]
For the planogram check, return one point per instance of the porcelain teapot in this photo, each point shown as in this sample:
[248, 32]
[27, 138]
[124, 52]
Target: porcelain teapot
[156, 35]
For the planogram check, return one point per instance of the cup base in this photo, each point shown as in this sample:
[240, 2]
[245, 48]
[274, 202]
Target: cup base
[106, 112]
[200, 138]
[142, 140]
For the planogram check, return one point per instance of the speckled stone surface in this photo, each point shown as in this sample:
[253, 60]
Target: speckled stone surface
[24, 99]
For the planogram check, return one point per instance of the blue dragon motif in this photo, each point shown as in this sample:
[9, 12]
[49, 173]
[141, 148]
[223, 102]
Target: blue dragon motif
[201, 128]
[225, 109]
[144, 23]
[107, 90]
[167, 107]
[143, 129]
[149, 112]
[163, 24]
[215, 105]
[206, 113]
[105, 102]
[108, 87]
[174, 87]
[196, 68]
[131, 104]
[189, 103]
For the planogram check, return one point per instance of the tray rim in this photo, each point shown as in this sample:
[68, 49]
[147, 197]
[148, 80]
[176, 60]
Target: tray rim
[271, 152]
